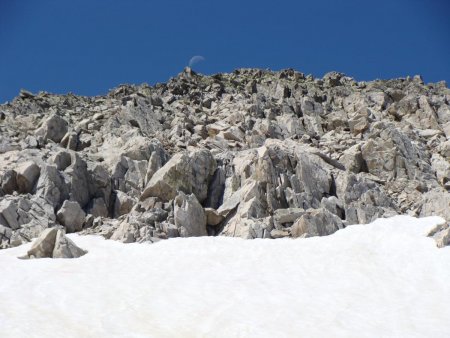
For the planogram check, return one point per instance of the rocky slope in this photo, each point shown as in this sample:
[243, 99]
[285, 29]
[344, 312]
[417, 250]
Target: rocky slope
[252, 154]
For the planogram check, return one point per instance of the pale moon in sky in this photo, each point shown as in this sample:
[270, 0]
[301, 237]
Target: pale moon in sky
[196, 59]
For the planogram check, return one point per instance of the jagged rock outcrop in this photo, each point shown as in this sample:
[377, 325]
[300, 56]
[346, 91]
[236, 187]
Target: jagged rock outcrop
[251, 154]
[52, 243]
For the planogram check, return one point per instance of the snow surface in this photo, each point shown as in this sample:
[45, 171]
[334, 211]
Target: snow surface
[386, 279]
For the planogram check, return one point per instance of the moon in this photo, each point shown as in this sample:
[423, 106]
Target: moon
[196, 59]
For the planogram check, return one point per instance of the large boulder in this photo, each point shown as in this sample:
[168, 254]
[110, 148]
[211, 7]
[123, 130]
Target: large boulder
[52, 243]
[8, 214]
[43, 246]
[436, 203]
[71, 216]
[131, 160]
[98, 208]
[51, 186]
[122, 204]
[316, 222]
[189, 216]
[352, 159]
[54, 128]
[248, 227]
[126, 232]
[286, 216]
[27, 176]
[186, 172]
[65, 247]
[213, 218]
[78, 180]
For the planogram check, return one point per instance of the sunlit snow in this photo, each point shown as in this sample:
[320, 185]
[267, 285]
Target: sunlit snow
[386, 279]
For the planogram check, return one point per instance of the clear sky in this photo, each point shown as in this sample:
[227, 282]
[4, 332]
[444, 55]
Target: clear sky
[90, 46]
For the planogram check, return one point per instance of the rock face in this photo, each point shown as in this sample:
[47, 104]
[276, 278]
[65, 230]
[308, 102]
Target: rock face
[52, 243]
[251, 154]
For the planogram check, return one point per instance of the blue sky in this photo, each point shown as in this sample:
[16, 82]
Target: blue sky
[90, 46]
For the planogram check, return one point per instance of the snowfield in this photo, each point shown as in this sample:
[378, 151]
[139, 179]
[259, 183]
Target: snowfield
[385, 279]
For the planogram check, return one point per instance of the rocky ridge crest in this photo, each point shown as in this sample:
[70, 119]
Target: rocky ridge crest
[251, 154]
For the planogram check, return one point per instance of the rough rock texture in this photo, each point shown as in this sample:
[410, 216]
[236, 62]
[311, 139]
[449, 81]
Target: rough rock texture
[189, 216]
[253, 153]
[441, 234]
[52, 243]
[187, 172]
[71, 216]
[317, 222]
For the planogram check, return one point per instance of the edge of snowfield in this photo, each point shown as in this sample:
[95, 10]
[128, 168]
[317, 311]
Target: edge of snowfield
[385, 279]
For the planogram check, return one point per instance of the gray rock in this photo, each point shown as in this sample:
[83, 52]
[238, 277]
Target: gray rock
[230, 204]
[436, 203]
[442, 168]
[71, 216]
[65, 247]
[353, 160]
[189, 216]
[78, 180]
[25, 218]
[441, 234]
[170, 229]
[52, 243]
[54, 128]
[5, 236]
[27, 176]
[187, 172]
[248, 228]
[275, 233]
[257, 149]
[289, 215]
[126, 233]
[98, 208]
[62, 159]
[213, 218]
[43, 246]
[8, 214]
[316, 222]
[359, 122]
[51, 186]
[333, 205]
[123, 204]
[8, 182]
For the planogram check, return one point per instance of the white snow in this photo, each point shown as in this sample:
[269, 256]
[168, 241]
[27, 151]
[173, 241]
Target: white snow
[386, 279]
